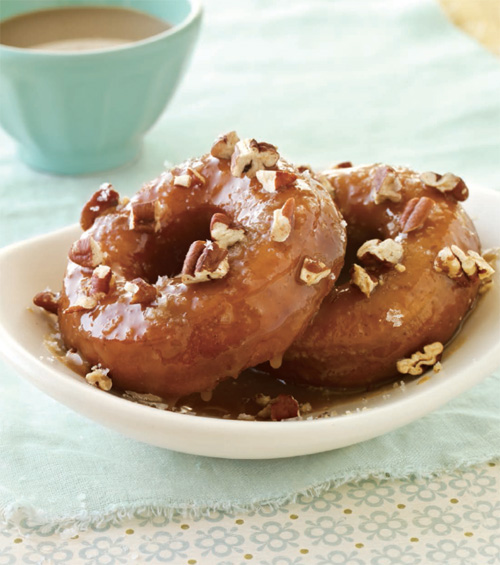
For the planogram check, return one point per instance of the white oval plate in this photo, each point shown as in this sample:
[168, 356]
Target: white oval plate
[29, 267]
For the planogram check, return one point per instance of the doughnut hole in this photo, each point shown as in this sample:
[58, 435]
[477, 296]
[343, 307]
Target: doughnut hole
[169, 246]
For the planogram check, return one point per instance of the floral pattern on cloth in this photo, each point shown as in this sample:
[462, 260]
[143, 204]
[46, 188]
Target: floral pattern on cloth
[452, 519]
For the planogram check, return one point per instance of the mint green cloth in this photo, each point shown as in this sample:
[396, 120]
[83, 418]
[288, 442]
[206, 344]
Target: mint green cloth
[326, 81]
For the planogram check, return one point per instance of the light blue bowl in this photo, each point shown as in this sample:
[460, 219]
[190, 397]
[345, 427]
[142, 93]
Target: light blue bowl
[75, 113]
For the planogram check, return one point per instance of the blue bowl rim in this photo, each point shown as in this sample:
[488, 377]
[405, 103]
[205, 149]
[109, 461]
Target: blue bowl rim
[195, 12]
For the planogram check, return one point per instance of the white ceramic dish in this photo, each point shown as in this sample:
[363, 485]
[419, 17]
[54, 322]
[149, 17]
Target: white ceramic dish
[28, 267]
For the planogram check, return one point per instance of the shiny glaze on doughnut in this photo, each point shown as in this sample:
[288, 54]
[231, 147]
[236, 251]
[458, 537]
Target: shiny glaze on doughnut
[355, 341]
[193, 336]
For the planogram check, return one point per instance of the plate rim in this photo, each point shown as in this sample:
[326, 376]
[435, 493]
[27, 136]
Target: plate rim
[38, 374]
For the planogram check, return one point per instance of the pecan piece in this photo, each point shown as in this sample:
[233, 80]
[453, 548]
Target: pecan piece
[142, 292]
[222, 232]
[224, 145]
[387, 252]
[415, 213]
[313, 272]
[250, 156]
[144, 216]
[364, 281]
[101, 280]
[447, 184]
[283, 220]
[426, 358]
[190, 179]
[184, 180]
[86, 252]
[204, 261]
[272, 181]
[47, 300]
[283, 407]
[462, 266]
[343, 165]
[99, 378]
[386, 185]
[101, 200]
[83, 302]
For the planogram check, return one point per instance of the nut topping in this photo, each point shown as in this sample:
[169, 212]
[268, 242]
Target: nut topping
[272, 181]
[83, 302]
[142, 292]
[462, 266]
[447, 184]
[198, 178]
[100, 201]
[86, 252]
[415, 213]
[222, 232]
[283, 407]
[415, 364]
[365, 282]
[313, 271]
[100, 280]
[343, 165]
[373, 251]
[204, 261]
[249, 156]
[386, 185]
[99, 378]
[183, 180]
[144, 216]
[47, 300]
[283, 221]
[223, 146]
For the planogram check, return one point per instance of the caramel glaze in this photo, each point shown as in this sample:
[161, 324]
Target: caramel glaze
[193, 336]
[355, 341]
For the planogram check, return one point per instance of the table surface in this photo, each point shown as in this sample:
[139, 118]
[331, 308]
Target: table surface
[452, 519]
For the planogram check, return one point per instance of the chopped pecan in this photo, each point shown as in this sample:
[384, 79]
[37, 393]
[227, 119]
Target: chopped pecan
[183, 180]
[99, 378]
[447, 184]
[222, 232]
[373, 251]
[83, 302]
[283, 407]
[47, 300]
[142, 292]
[364, 281]
[144, 216]
[198, 178]
[224, 145]
[415, 213]
[313, 272]
[462, 266]
[86, 252]
[204, 261]
[250, 156]
[416, 363]
[100, 201]
[283, 220]
[272, 181]
[101, 280]
[190, 179]
[386, 185]
[343, 165]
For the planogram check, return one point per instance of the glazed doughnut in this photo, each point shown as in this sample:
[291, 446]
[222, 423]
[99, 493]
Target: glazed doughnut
[213, 267]
[415, 271]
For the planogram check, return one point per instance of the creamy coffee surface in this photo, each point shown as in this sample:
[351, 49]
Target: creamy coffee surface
[82, 28]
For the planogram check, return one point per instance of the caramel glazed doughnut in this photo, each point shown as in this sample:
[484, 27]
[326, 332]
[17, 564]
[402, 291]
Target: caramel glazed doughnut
[215, 266]
[417, 273]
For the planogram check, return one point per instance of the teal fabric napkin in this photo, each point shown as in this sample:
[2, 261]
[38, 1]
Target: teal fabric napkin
[326, 81]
